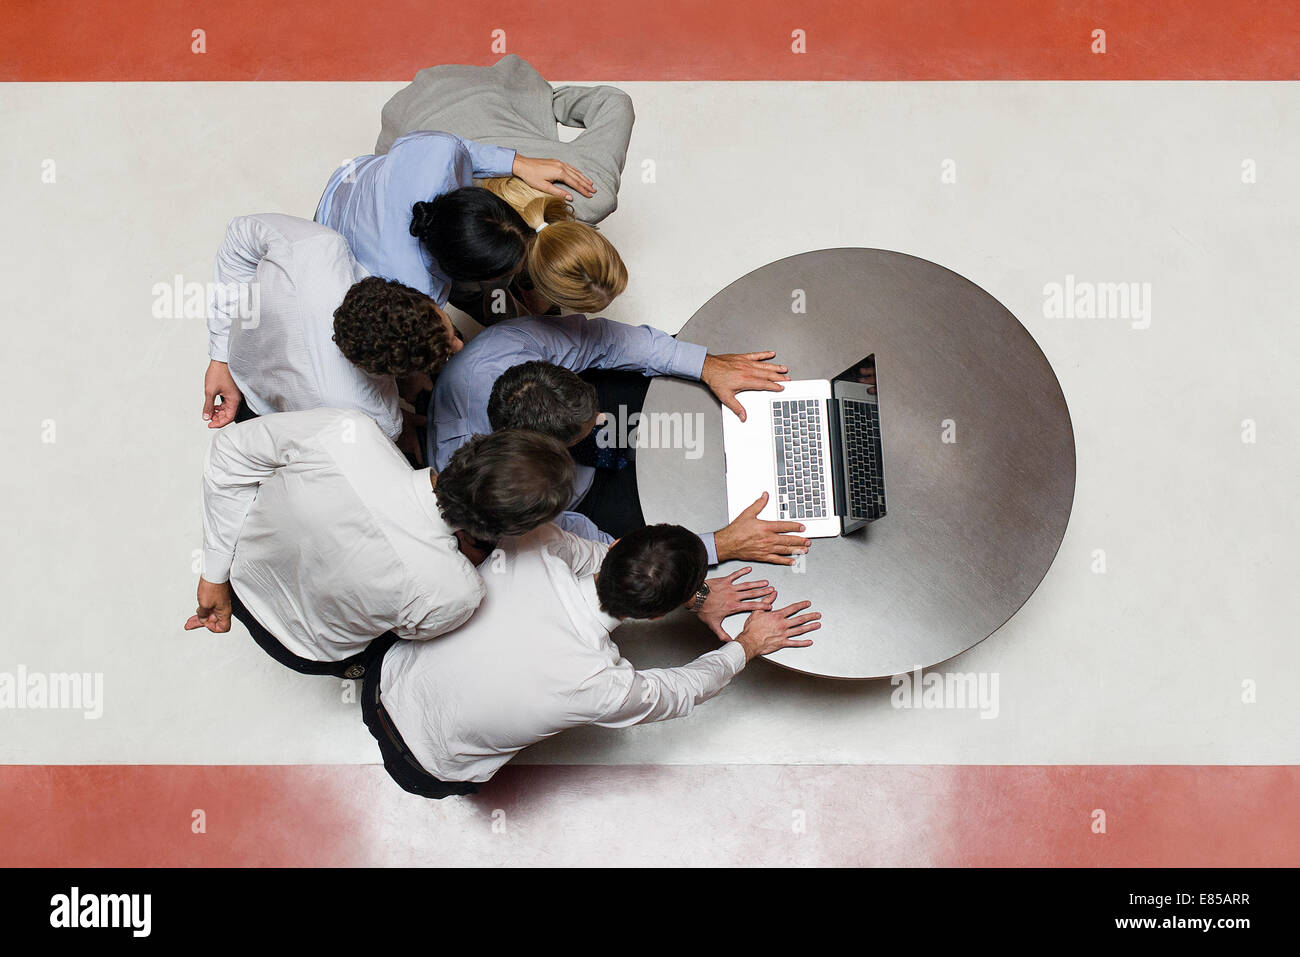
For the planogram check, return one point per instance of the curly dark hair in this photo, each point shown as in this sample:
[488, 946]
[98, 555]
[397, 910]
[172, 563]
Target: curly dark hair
[649, 572]
[387, 328]
[506, 483]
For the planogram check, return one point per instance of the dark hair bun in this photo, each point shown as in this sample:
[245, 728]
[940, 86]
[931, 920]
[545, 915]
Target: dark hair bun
[421, 217]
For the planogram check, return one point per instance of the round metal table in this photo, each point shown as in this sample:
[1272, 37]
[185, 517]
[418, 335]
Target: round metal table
[977, 444]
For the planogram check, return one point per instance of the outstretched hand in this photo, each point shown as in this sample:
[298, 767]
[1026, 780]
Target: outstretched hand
[769, 631]
[753, 539]
[742, 372]
[729, 596]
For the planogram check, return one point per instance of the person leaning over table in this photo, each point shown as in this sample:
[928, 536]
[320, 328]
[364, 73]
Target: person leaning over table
[320, 536]
[537, 657]
[523, 374]
[320, 332]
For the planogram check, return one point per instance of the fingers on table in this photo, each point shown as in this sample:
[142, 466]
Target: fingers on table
[777, 526]
[793, 609]
[787, 545]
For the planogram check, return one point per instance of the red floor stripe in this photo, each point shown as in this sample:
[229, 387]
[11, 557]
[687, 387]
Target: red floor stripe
[129, 815]
[665, 40]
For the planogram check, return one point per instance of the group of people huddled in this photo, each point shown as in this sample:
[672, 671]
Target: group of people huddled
[442, 519]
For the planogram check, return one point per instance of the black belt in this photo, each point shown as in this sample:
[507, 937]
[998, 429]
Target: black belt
[352, 667]
[385, 720]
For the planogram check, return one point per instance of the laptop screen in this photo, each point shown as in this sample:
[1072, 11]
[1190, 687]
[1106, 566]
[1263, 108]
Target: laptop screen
[858, 439]
[858, 380]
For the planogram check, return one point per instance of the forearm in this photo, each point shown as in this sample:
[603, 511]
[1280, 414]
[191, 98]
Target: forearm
[600, 343]
[488, 160]
[660, 694]
[233, 273]
[238, 460]
[225, 505]
[606, 117]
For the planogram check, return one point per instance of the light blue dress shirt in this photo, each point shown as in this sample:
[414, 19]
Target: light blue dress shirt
[458, 409]
[369, 201]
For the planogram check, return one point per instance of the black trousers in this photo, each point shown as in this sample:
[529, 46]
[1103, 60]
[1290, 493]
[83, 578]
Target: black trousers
[351, 667]
[400, 764]
[244, 413]
[613, 502]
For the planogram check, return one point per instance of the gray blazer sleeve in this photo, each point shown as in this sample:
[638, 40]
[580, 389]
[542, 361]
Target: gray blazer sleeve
[605, 115]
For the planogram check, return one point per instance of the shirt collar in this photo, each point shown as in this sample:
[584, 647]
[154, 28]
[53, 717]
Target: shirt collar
[588, 588]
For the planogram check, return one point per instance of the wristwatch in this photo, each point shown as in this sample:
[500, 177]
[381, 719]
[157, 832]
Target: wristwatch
[698, 599]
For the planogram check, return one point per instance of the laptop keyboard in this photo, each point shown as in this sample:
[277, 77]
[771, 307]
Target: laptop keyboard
[862, 450]
[797, 426]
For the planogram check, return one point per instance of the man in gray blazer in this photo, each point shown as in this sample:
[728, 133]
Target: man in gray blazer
[510, 104]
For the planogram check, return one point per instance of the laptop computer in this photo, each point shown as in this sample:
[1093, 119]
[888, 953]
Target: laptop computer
[814, 448]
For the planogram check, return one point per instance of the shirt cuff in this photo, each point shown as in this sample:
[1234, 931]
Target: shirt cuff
[219, 348]
[216, 565]
[710, 547]
[497, 160]
[736, 653]
[688, 360]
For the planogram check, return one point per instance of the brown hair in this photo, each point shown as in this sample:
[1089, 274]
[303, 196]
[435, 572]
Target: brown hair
[571, 263]
[387, 328]
[506, 483]
[651, 571]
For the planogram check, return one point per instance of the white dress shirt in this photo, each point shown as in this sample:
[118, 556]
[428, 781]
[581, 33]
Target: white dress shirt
[283, 356]
[328, 536]
[535, 659]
